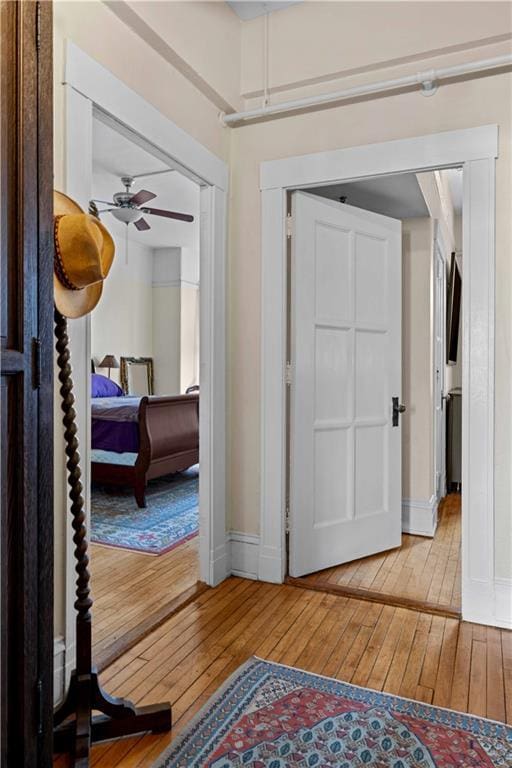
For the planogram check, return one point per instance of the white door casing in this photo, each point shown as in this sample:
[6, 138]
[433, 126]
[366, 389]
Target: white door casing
[484, 599]
[439, 369]
[89, 88]
[345, 468]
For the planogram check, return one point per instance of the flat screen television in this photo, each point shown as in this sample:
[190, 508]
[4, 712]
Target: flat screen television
[453, 312]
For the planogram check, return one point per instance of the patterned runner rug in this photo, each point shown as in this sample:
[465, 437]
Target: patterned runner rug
[270, 716]
[170, 518]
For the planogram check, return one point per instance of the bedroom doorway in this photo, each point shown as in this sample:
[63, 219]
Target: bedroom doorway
[145, 394]
[91, 92]
[369, 512]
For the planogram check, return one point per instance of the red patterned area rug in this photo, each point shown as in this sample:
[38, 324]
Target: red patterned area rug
[270, 716]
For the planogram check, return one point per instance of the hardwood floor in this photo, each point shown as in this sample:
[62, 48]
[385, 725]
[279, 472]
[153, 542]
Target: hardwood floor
[134, 592]
[424, 572]
[430, 658]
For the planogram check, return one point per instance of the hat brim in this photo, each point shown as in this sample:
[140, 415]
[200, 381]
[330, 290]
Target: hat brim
[62, 204]
[74, 304]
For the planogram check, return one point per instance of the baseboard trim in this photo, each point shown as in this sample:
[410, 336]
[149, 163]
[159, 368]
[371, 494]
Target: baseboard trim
[419, 516]
[271, 565]
[245, 549]
[220, 564]
[503, 602]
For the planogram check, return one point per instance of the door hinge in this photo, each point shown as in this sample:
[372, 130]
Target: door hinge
[38, 26]
[289, 225]
[287, 517]
[36, 363]
[40, 707]
[288, 374]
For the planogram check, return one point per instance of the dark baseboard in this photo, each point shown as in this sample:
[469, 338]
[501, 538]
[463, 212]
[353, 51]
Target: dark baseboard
[436, 609]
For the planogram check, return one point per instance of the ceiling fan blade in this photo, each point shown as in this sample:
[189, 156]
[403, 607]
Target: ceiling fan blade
[104, 202]
[168, 214]
[141, 225]
[141, 197]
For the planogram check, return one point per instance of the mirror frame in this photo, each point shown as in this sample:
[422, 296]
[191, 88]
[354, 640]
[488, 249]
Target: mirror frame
[125, 361]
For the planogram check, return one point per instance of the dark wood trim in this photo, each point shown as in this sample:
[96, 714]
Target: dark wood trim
[27, 385]
[45, 626]
[75, 725]
[138, 633]
[376, 597]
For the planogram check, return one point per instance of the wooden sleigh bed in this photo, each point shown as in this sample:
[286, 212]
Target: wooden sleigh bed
[165, 439]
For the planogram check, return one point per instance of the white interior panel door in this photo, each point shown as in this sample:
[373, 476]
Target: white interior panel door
[345, 453]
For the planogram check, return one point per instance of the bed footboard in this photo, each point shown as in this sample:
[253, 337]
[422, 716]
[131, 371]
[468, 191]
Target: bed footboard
[169, 442]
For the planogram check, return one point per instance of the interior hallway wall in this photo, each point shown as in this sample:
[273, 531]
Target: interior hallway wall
[94, 28]
[422, 35]
[455, 106]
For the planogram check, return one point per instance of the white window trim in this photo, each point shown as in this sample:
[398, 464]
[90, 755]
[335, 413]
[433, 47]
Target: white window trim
[475, 149]
[89, 89]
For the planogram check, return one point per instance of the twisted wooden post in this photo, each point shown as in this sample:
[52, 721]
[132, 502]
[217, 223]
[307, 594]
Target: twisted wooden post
[85, 694]
[83, 601]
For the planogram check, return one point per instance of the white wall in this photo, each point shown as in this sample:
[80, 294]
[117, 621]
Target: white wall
[175, 319]
[201, 39]
[166, 309]
[458, 105]
[148, 309]
[189, 327]
[314, 44]
[315, 47]
[96, 30]
[122, 324]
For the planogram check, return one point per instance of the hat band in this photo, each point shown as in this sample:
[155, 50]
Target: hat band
[58, 263]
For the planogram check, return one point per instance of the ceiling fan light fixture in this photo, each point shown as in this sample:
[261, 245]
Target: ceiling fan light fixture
[127, 215]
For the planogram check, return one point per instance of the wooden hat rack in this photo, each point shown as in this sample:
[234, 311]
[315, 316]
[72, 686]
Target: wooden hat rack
[75, 727]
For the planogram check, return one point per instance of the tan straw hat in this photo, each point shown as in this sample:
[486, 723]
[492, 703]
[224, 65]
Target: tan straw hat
[84, 252]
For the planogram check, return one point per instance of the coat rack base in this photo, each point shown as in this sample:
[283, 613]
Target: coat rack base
[118, 717]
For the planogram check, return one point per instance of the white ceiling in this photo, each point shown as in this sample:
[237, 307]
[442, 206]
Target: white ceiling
[397, 196]
[114, 156]
[248, 9]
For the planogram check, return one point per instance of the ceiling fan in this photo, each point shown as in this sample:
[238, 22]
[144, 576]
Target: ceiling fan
[128, 206]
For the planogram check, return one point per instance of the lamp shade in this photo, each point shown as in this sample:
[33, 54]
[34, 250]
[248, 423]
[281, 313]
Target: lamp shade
[109, 361]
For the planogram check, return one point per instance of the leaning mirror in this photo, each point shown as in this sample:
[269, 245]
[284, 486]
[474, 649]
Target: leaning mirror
[137, 375]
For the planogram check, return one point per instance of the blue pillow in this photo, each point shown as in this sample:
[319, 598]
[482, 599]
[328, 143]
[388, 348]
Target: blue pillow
[103, 387]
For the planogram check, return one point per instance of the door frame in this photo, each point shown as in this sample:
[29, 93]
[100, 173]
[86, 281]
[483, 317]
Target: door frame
[475, 149]
[26, 414]
[90, 90]
[440, 252]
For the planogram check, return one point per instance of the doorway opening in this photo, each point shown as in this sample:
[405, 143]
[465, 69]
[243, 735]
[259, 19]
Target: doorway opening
[375, 395]
[145, 436]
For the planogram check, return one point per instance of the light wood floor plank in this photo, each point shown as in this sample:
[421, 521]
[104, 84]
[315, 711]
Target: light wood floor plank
[129, 588]
[425, 570]
[430, 658]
